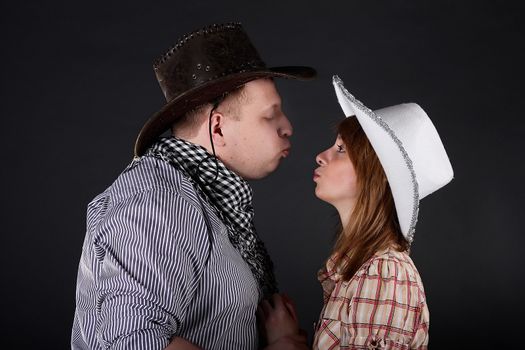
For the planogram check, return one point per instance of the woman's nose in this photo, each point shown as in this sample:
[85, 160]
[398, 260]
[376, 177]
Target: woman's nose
[320, 159]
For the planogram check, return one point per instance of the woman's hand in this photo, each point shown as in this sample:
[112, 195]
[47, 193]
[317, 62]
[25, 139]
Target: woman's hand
[278, 319]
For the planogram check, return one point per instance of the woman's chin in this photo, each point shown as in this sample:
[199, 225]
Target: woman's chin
[319, 195]
[322, 196]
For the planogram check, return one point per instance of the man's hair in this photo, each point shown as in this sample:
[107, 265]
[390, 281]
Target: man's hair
[373, 224]
[229, 104]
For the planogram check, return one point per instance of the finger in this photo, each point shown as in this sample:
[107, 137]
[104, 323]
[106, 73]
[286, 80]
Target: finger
[292, 311]
[298, 338]
[287, 299]
[266, 308]
[294, 340]
[278, 303]
[288, 303]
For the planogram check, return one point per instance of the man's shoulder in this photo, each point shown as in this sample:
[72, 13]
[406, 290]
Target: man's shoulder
[150, 174]
[147, 181]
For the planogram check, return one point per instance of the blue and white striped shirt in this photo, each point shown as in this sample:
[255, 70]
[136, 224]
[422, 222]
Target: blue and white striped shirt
[151, 269]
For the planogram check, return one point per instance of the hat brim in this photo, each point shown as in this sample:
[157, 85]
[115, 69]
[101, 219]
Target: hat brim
[206, 92]
[392, 155]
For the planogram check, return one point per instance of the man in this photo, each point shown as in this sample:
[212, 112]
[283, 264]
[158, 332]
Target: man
[171, 257]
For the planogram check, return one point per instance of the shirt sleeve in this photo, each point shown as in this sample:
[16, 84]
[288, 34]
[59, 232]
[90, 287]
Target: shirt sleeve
[152, 249]
[388, 309]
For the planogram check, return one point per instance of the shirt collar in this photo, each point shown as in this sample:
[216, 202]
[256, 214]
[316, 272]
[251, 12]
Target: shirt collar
[330, 274]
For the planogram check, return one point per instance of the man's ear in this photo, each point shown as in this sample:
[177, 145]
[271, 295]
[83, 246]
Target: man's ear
[217, 123]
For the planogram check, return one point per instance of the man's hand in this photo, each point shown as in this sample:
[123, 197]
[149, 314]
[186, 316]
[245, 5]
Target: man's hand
[179, 343]
[279, 323]
[289, 342]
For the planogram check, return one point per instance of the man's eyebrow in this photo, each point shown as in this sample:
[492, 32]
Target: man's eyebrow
[273, 106]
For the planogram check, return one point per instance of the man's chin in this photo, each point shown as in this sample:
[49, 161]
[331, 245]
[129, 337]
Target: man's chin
[259, 176]
[262, 173]
[272, 168]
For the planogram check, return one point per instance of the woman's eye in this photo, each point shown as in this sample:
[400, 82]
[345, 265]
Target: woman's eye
[340, 149]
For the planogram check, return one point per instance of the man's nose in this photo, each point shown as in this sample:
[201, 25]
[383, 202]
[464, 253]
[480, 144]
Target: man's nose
[286, 129]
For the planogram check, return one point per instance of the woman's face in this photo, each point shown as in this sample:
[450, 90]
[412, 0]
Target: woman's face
[335, 177]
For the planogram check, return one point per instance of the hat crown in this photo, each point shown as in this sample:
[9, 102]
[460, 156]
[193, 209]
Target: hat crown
[205, 55]
[422, 143]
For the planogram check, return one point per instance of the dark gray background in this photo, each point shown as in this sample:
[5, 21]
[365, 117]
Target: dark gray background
[77, 85]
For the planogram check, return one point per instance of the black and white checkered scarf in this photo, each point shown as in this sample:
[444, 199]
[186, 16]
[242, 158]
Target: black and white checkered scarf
[230, 196]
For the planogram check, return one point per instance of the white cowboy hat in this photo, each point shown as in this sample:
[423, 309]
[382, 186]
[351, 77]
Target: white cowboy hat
[409, 149]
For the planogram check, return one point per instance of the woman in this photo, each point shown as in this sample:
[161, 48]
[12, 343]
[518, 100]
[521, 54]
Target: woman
[381, 164]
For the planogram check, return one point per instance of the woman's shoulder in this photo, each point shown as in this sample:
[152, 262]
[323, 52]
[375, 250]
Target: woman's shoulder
[390, 266]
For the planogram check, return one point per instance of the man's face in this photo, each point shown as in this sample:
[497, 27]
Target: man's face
[257, 136]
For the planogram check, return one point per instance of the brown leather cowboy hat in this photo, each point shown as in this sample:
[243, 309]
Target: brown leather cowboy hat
[202, 66]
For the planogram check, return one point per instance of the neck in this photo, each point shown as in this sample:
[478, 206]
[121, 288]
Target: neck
[203, 140]
[345, 211]
[196, 139]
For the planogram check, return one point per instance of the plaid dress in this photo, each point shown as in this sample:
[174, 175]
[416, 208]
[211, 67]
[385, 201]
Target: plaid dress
[383, 306]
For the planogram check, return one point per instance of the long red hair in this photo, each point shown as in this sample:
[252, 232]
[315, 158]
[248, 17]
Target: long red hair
[373, 224]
